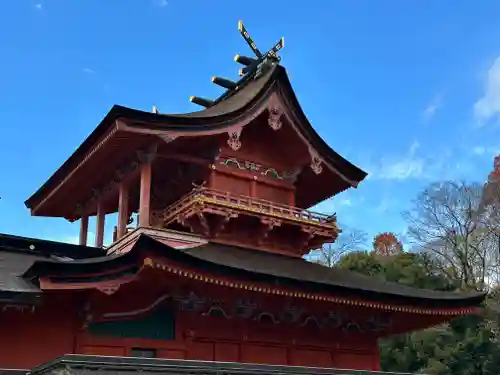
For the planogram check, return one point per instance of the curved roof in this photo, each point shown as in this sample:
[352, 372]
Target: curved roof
[18, 254]
[272, 269]
[231, 106]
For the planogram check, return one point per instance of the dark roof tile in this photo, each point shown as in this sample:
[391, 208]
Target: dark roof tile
[266, 267]
[222, 114]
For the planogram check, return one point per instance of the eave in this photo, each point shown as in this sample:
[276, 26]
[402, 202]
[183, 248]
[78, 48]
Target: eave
[101, 365]
[238, 107]
[260, 272]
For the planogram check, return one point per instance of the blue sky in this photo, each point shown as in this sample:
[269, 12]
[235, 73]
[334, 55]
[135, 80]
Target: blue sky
[408, 90]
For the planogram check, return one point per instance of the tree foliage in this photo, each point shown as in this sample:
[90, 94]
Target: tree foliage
[387, 244]
[454, 231]
[453, 222]
[466, 346]
[349, 240]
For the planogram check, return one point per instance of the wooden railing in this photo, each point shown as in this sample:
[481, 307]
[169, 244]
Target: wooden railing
[246, 203]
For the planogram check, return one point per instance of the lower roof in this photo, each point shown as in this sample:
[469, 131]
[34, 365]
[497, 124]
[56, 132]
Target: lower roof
[126, 365]
[9, 242]
[18, 254]
[262, 267]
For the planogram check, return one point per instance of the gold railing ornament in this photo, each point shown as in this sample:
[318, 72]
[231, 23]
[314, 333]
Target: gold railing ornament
[203, 195]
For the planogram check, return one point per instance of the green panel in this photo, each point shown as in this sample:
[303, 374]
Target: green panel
[159, 325]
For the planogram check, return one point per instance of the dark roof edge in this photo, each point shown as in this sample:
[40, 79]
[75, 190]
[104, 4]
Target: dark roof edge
[183, 122]
[24, 298]
[7, 371]
[94, 136]
[116, 112]
[37, 246]
[146, 245]
[180, 366]
[355, 173]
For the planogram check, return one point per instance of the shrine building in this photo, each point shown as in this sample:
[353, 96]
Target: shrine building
[206, 271]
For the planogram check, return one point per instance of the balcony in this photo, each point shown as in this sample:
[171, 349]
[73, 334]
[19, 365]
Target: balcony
[252, 206]
[213, 213]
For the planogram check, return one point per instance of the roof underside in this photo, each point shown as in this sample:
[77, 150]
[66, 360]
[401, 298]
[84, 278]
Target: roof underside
[253, 265]
[218, 117]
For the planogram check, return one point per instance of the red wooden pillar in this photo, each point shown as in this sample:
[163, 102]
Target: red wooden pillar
[253, 187]
[99, 235]
[123, 211]
[211, 177]
[84, 229]
[145, 194]
[291, 198]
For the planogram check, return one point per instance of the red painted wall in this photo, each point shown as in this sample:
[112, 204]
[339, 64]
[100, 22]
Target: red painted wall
[218, 339]
[56, 328]
[29, 338]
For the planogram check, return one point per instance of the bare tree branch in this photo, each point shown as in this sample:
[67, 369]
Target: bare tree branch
[454, 222]
[349, 240]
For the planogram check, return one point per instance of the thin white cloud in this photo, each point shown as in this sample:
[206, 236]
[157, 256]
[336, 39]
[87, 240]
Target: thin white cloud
[488, 106]
[400, 169]
[383, 206]
[432, 107]
[414, 147]
[411, 165]
[38, 6]
[160, 3]
[479, 150]
[487, 151]
[88, 71]
[345, 202]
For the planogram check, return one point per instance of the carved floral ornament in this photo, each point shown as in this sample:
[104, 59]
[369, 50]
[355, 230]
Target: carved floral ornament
[234, 139]
[257, 168]
[316, 161]
[166, 137]
[290, 314]
[274, 119]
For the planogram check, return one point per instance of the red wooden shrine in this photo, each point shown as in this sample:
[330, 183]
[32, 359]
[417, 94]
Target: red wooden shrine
[207, 256]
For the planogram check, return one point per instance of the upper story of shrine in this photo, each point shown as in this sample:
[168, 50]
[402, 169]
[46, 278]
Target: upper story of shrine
[244, 170]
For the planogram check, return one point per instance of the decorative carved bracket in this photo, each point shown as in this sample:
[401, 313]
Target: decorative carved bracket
[275, 112]
[267, 226]
[245, 308]
[309, 234]
[167, 137]
[203, 222]
[316, 161]
[109, 289]
[222, 222]
[191, 302]
[234, 139]
[274, 119]
[147, 156]
[292, 314]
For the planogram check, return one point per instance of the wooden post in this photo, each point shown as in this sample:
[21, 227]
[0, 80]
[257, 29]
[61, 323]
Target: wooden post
[253, 187]
[145, 195]
[123, 211]
[99, 235]
[84, 229]
[291, 198]
[211, 177]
